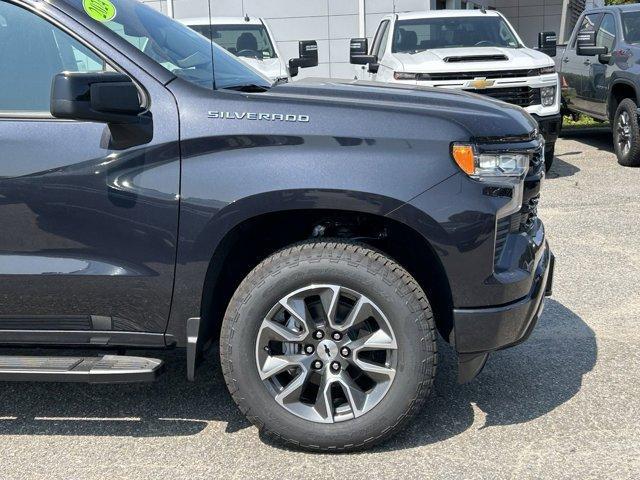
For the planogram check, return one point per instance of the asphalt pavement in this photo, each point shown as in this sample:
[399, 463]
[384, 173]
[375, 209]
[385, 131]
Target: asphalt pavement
[565, 404]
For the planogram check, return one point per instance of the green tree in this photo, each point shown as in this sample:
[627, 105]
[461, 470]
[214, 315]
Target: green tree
[619, 2]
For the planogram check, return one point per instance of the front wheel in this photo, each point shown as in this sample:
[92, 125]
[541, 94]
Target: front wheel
[626, 134]
[329, 346]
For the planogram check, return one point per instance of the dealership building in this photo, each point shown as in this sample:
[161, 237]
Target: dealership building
[334, 22]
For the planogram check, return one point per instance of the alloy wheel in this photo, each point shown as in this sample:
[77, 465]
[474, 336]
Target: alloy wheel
[326, 353]
[623, 133]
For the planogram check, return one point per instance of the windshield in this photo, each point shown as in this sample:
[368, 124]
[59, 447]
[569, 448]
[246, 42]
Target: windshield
[421, 34]
[631, 26]
[241, 40]
[177, 48]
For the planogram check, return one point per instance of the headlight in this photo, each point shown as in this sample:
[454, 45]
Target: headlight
[548, 95]
[405, 76]
[488, 166]
[547, 70]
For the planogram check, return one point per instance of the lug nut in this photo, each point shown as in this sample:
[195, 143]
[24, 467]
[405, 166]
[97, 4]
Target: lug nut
[317, 365]
[345, 352]
[335, 366]
[337, 336]
[318, 334]
[309, 349]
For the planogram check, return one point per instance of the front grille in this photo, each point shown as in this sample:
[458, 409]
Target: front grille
[523, 220]
[521, 96]
[533, 72]
[529, 213]
[537, 159]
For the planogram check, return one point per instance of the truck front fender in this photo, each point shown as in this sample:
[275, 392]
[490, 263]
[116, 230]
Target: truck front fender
[624, 84]
[203, 230]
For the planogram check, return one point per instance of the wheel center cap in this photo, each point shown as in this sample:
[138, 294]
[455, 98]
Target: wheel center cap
[327, 350]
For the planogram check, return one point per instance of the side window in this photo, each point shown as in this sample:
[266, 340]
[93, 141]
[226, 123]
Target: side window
[33, 52]
[383, 41]
[381, 35]
[607, 32]
[588, 23]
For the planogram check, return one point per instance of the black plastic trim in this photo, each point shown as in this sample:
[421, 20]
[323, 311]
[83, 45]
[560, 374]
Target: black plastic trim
[85, 338]
[193, 329]
[549, 126]
[487, 329]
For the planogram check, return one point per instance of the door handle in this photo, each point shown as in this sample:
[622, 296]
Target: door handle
[587, 62]
[565, 60]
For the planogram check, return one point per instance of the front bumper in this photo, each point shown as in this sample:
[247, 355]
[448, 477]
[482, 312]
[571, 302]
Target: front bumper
[483, 330]
[549, 127]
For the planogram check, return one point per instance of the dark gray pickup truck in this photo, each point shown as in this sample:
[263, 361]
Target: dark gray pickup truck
[600, 74]
[158, 193]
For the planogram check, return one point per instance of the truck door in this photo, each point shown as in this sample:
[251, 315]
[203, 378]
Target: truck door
[601, 67]
[575, 68]
[88, 230]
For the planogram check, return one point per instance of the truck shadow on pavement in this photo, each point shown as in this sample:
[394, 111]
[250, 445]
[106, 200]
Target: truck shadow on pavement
[172, 406]
[599, 137]
[517, 385]
[562, 168]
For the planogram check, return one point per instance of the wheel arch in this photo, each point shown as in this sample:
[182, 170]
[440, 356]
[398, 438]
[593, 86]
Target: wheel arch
[621, 88]
[353, 217]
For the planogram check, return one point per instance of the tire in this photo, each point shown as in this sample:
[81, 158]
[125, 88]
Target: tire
[549, 155]
[357, 270]
[626, 134]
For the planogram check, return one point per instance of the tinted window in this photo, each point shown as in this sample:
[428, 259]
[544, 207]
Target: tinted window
[378, 37]
[176, 47]
[32, 52]
[631, 26]
[426, 33]
[241, 40]
[607, 32]
[383, 40]
[588, 24]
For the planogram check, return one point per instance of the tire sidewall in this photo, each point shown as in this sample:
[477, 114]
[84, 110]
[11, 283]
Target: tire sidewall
[268, 285]
[633, 156]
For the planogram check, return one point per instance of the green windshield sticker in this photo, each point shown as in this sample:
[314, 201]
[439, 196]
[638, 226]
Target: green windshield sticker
[100, 10]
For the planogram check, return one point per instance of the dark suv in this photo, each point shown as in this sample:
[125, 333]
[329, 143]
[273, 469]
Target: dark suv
[156, 193]
[601, 75]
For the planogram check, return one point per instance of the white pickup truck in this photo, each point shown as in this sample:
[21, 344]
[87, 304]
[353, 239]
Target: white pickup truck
[251, 40]
[474, 50]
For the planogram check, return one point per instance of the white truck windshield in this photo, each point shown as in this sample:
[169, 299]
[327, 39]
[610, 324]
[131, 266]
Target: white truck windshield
[421, 34]
[176, 47]
[246, 40]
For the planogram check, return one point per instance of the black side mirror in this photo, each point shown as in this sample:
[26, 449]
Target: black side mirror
[548, 43]
[586, 44]
[359, 52]
[605, 58]
[106, 97]
[308, 57]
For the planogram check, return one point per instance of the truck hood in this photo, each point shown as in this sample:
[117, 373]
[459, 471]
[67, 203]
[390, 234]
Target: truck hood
[481, 116]
[434, 60]
[270, 67]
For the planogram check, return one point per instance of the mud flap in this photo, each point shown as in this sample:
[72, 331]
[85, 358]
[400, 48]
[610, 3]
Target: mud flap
[470, 365]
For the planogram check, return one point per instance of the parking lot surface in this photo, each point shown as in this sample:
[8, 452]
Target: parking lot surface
[565, 404]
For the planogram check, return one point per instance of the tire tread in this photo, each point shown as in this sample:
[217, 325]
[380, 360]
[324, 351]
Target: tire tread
[356, 254]
[633, 159]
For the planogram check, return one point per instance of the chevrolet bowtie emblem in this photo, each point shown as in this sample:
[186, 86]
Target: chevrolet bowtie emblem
[481, 83]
